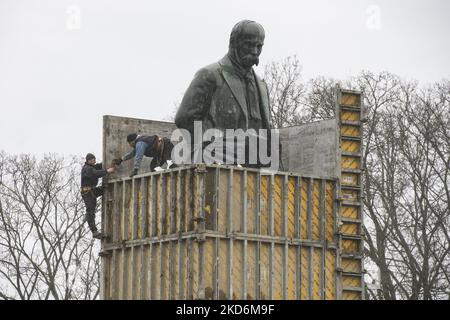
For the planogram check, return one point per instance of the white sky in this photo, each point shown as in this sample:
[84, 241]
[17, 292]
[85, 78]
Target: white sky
[135, 58]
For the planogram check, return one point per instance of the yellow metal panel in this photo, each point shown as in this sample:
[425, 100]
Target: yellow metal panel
[120, 271]
[349, 179]
[351, 281]
[315, 211]
[237, 201]
[150, 212]
[223, 269]
[161, 270]
[238, 276]
[196, 195]
[351, 265]
[128, 274]
[350, 228]
[351, 146]
[186, 199]
[350, 99]
[329, 212]
[106, 261]
[347, 115]
[223, 201]
[120, 215]
[210, 199]
[165, 271]
[291, 207]
[348, 162]
[350, 295]
[330, 276]
[317, 256]
[172, 201]
[174, 270]
[123, 212]
[264, 254]
[251, 270]
[108, 212]
[350, 195]
[349, 212]
[184, 269]
[292, 273]
[251, 202]
[159, 201]
[117, 274]
[278, 274]
[350, 246]
[156, 271]
[278, 203]
[208, 246]
[265, 205]
[194, 269]
[303, 220]
[114, 275]
[139, 213]
[129, 206]
[145, 270]
[304, 275]
[136, 273]
[167, 194]
[352, 131]
[109, 284]
[176, 189]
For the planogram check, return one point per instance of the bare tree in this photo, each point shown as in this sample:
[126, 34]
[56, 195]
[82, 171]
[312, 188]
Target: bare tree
[405, 185]
[46, 251]
[320, 100]
[285, 90]
[407, 161]
[294, 102]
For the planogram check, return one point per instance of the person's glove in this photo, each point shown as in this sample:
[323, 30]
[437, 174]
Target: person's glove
[133, 173]
[117, 162]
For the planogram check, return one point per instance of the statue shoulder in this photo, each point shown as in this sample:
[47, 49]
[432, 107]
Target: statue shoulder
[209, 73]
[210, 69]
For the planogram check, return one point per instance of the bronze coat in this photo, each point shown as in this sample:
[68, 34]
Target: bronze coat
[216, 97]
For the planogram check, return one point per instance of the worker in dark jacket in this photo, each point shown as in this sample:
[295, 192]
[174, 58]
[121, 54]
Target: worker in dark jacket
[90, 173]
[158, 148]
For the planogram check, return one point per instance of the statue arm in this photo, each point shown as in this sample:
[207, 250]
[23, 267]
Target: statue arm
[197, 100]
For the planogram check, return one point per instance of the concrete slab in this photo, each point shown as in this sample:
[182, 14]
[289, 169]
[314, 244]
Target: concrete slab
[311, 149]
[115, 131]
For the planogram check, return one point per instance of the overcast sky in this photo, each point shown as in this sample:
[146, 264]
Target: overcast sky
[65, 64]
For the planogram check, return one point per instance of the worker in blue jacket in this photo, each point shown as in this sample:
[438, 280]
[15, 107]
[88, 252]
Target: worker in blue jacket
[158, 148]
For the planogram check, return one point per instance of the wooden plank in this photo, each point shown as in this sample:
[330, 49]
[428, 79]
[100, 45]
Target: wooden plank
[143, 216]
[278, 205]
[230, 266]
[135, 208]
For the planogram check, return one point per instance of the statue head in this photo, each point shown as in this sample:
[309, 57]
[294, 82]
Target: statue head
[246, 42]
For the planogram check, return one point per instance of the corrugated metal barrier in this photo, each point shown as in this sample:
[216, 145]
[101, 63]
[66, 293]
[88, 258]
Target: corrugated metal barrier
[215, 232]
[222, 232]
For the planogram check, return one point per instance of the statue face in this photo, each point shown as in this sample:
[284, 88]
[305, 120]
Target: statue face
[250, 45]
